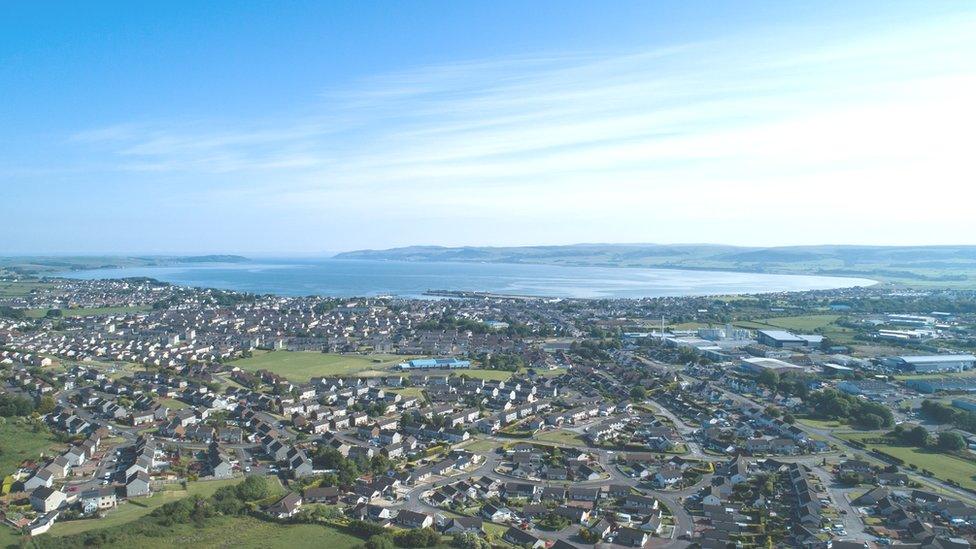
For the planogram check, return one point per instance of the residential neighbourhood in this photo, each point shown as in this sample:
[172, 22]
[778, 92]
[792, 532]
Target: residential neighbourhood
[577, 423]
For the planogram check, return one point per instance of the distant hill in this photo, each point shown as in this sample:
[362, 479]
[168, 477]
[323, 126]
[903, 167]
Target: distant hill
[953, 266]
[43, 265]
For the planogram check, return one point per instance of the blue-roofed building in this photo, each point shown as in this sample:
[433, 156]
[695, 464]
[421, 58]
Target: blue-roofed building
[434, 363]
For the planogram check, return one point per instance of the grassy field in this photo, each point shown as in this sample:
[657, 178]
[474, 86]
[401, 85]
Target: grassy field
[15, 289]
[302, 366]
[821, 423]
[481, 446]
[8, 537]
[819, 323]
[91, 311]
[560, 436]
[942, 466]
[245, 532]
[18, 442]
[141, 507]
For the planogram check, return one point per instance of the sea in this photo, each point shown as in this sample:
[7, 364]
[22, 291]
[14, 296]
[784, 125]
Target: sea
[367, 278]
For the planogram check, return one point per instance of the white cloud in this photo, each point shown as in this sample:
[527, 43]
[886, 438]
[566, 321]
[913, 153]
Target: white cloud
[662, 142]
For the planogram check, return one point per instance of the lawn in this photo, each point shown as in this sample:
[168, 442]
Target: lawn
[245, 532]
[481, 446]
[300, 366]
[19, 441]
[129, 512]
[560, 436]
[417, 392]
[822, 423]
[173, 403]
[942, 466]
[477, 373]
[8, 537]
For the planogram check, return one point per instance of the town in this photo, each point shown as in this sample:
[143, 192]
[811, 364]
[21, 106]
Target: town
[132, 409]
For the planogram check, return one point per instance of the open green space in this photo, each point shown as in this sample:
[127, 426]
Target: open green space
[141, 507]
[300, 366]
[822, 423]
[245, 531]
[943, 466]
[560, 436]
[15, 289]
[824, 324]
[91, 311]
[481, 446]
[20, 440]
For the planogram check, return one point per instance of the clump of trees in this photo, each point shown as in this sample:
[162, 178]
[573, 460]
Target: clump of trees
[919, 436]
[833, 404]
[940, 412]
[15, 406]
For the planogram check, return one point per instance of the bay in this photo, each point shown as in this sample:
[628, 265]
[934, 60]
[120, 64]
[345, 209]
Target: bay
[349, 277]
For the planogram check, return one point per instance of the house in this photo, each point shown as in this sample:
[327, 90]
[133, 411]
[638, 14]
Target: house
[522, 539]
[285, 507]
[496, 514]
[413, 519]
[137, 484]
[631, 537]
[43, 477]
[45, 500]
[464, 525]
[98, 499]
[322, 494]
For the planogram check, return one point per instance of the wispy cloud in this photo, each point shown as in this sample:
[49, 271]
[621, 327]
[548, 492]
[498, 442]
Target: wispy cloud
[729, 125]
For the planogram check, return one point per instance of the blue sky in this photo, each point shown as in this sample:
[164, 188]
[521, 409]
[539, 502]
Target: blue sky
[307, 127]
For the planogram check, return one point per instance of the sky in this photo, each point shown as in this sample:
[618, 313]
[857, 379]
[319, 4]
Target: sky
[317, 127]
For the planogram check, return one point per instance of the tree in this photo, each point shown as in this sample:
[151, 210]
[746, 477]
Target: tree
[253, 488]
[951, 442]
[46, 405]
[637, 393]
[381, 541]
[768, 378]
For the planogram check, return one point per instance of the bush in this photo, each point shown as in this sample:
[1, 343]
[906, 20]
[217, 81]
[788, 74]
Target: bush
[420, 537]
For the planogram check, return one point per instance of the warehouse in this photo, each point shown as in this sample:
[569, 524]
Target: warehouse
[931, 363]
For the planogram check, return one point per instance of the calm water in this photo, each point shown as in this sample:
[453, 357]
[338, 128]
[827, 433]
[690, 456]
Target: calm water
[335, 277]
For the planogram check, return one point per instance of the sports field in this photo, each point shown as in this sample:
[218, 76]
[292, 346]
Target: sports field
[300, 366]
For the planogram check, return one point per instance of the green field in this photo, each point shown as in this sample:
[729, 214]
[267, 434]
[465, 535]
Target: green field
[821, 423]
[819, 323]
[302, 366]
[19, 441]
[481, 446]
[13, 289]
[560, 436]
[91, 311]
[140, 507]
[942, 466]
[244, 532]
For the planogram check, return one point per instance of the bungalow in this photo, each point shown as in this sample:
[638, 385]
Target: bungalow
[413, 519]
[464, 525]
[285, 507]
[322, 494]
[523, 539]
[496, 514]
